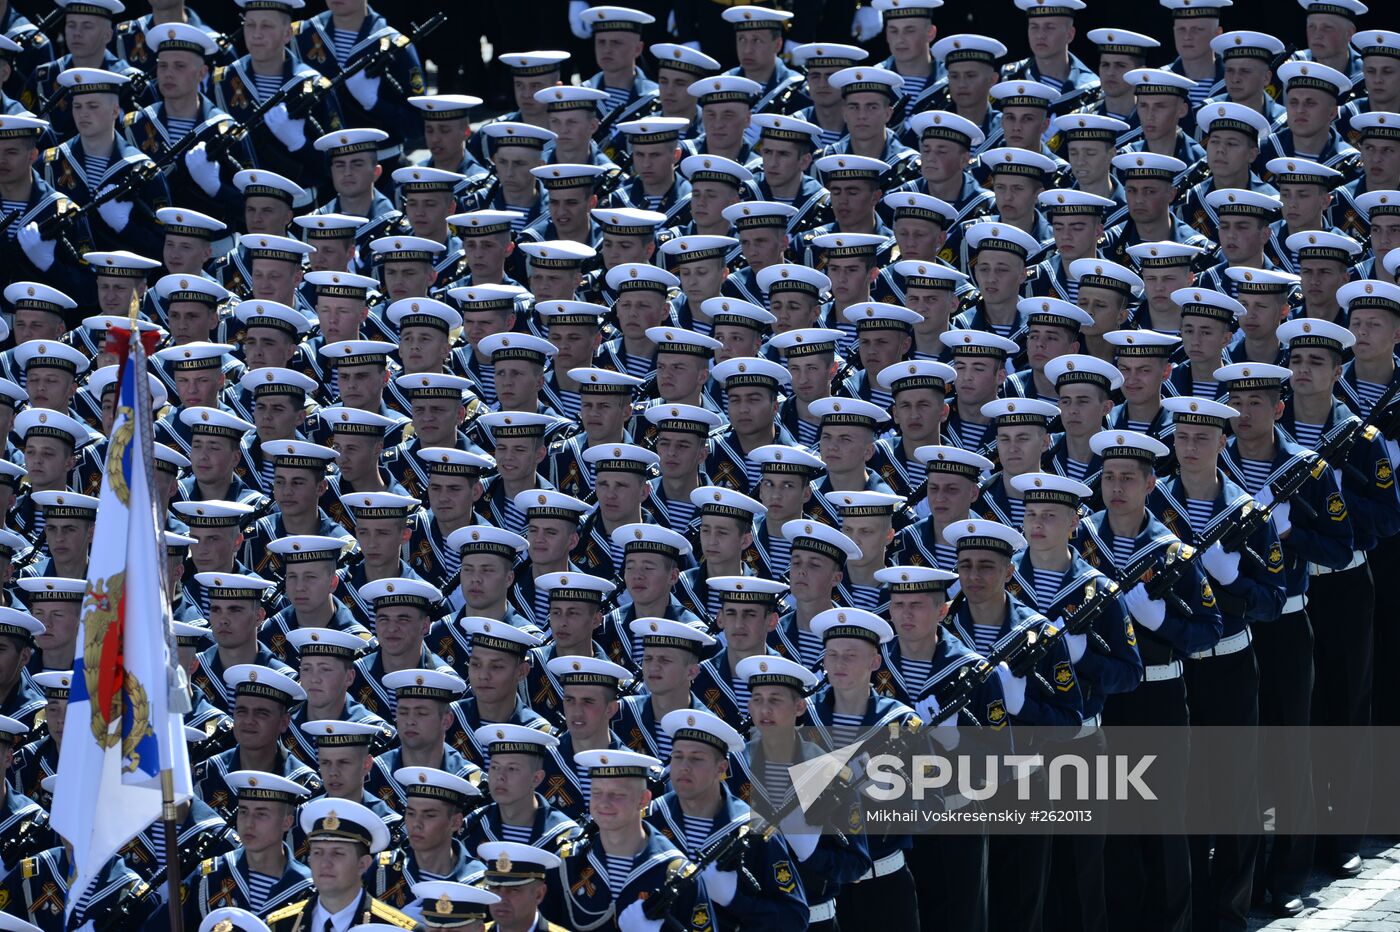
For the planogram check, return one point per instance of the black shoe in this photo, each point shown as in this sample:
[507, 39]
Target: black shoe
[1349, 867]
[1285, 909]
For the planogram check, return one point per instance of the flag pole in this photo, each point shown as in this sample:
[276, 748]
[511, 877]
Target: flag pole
[170, 815]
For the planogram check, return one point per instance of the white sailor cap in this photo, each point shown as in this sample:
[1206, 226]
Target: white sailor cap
[725, 89]
[639, 276]
[92, 80]
[589, 671]
[867, 79]
[372, 505]
[849, 411]
[434, 385]
[104, 8]
[916, 373]
[806, 341]
[251, 679]
[507, 133]
[41, 422]
[168, 459]
[1114, 41]
[603, 381]
[518, 423]
[915, 579]
[10, 542]
[439, 685]
[281, 248]
[348, 141]
[258, 182]
[1092, 272]
[654, 130]
[1379, 203]
[777, 457]
[977, 343]
[751, 371]
[1141, 343]
[966, 46]
[1224, 115]
[483, 538]
[405, 249]
[196, 288]
[662, 632]
[1014, 161]
[940, 124]
[510, 864]
[1193, 9]
[806, 534]
[681, 418]
[1159, 81]
[35, 296]
[358, 352]
[445, 106]
[297, 454]
[423, 312]
[62, 504]
[1306, 171]
[1003, 237]
[382, 593]
[827, 55]
[547, 503]
[1243, 202]
[788, 128]
[611, 763]
[343, 420]
[728, 503]
[575, 587]
[852, 623]
[848, 245]
[850, 167]
[307, 548]
[733, 312]
[916, 206]
[566, 175]
[451, 461]
[1023, 93]
[1188, 410]
[1163, 254]
[1048, 487]
[953, 461]
[558, 254]
[59, 588]
[484, 222]
[209, 513]
[755, 17]
[1324, 244]
[683, 58]
[1246, 43]
[179, 37]
[627, 221]
[1251, 376]
[766, 670]
[120, 263]
[1128, 444]
[976, 534]
[19, 126]
[49, 354]
[474, 298]
[522, 346]
[861, 504]
[1348, 9]
[1005, 412]
[334, 819]
[918, 273]
[715, 168]
[431, 783]
[872, 315]
[1148, 165]
[325, 642]
[270, 314]
[231, 918]
[422, 179]
[179, 221]
[682, 249]
[1203, 302]
[503, 738]
[1383, 42]
[1053, 312]
[1304, 331]
[331, 733]
[524, 64]
[651, 538]
[1066, 201]
[1081, 369]
[1261, 281]
[702, 726]
[19, 624]
[790, 277]
[1313, 75]
[562, 97]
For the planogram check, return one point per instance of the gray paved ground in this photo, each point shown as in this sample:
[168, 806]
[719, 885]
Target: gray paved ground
[1369, 902]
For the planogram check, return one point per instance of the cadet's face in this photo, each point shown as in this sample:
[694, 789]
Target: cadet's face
[278, 417]
[178, 74]
[1111, 70]
[518, 384]
[746, 624]
[942, 159]
[1197, 446]
[849, 662]
[1125, 485]
[233, 622]
[37, 325]
[572, 623]
[513, 777]
[1329, 34]
[94, 114]
[668, 669]
[1108, 308]
[811, 375]
[198, 386]
[575, 346]
[359, 455]
[484, 579]
[708, 200]
[681, 453]
[619, 494]
[1142, 378]
[968, 84]
[619, 250]
[696, 768]
[114, 294]
[325, 679]
[493, 674]
[337, 866]
[866, 115]
[60, 621]
[212, 458]
[794, 310]
[49, 387]
[343, 770]
[725, 123]
[845, 448]
[190, 321]
[262, 825]
[950, 497]
[266, 215]
[361, 386]
[296, 491]
[550, 540]
[1160, 114]
[701, 281]
[616, 802]
[648, 576]
[751, 409]
[1015, 194]
[853, 202]
[275, 280]
[486, 255]
[978, 378]
[783, 494]
[1075, 235]
[212, 550]
[430, 824]
[16, 160]
[1082, 409]
[408, 279]
[86, 36]
[68, 540]
[451, 497]
[871, 535]
[353, 175]
[774, 706]
[636, 311]
[881, 348]
[1309, 111]
[918, 239]
[259, 722]
[982, 574]
[723, 539]
[427, 211]
[48, 460]
[588, 709]
[736, 342]
[1048, 525]
[674, 91]
[1148, 199]
[812, 575]
[1192, 35]
[915, 614]
[1023, 126]
[421, 723]
[999, 275]
[309, 585]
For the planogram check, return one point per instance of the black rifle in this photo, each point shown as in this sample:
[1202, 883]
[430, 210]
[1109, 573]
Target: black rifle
[725, 853]
[27, 39]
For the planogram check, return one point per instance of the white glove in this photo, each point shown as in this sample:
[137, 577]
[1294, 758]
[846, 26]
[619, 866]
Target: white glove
[1223, 566]
[291, 133]
[720, 885]
[577, 26]
[927, 709]
[1281, 522]
[1077, 644]
[1265, 497]
[1013, 689]
[38, 249]
[1148, 612]
[945, 734]
[634, 920]
[857, 767]
[203, 170]
[671, 23]
[800, 837]
[364, 89]
[116, 214]
[867, 24]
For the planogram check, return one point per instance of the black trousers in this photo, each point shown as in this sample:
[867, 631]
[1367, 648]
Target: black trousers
[1344, 605]
[1018, 869]
[885, 903]
[951, 872]
[1077, 901]
[1148, 876]
[1385, 566]
[1223, 691]
[1285, 652]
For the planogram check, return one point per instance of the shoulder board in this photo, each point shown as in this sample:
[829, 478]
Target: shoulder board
[130, 118]
[50, 154]
[291, 909]
[29, 867]
[386, 858]
[206, 867]
[219, 73]
[391, 915]
[298, 27]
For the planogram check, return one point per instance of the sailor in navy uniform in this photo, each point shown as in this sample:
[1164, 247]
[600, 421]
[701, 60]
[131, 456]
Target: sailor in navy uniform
[517, 812]
[682, 434]
[214, 437]
[344, 760]
[997, 312]
[38, 312]
[551, 526]
[22, 701]
[1217, 316]
[1323, 88]
[801, 201]
[338, 887]
[1315, 221]
[261, 874]
[519, 879]
[29, 254]
[453, 487]
[723, 529]
[1023, 430]
[435, 802]
[275, 400]
[1083, 218]
[310, 560]
[117, 896]
[1230, 166]
[1166, 226]
[591, 690]
[266, 697]
[627, 468]
[1165, 119]
[748, 614]
[716, 97]
[658, 186]
[675, 651]
[235, 634]
[918, 388]
[326, 668]
[981, 361]
[297, 511]
[604, 881]
[574, 112]
[33, 762]
[575, 611]
[203, 367]
[403, 608]
[84, 165]
[753, 385]
[656, 556]
[1073, 80]
[1084, 387]
[1144, 358]
[495, 681]
[22, 819]
[487, 558]
[57, 436]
